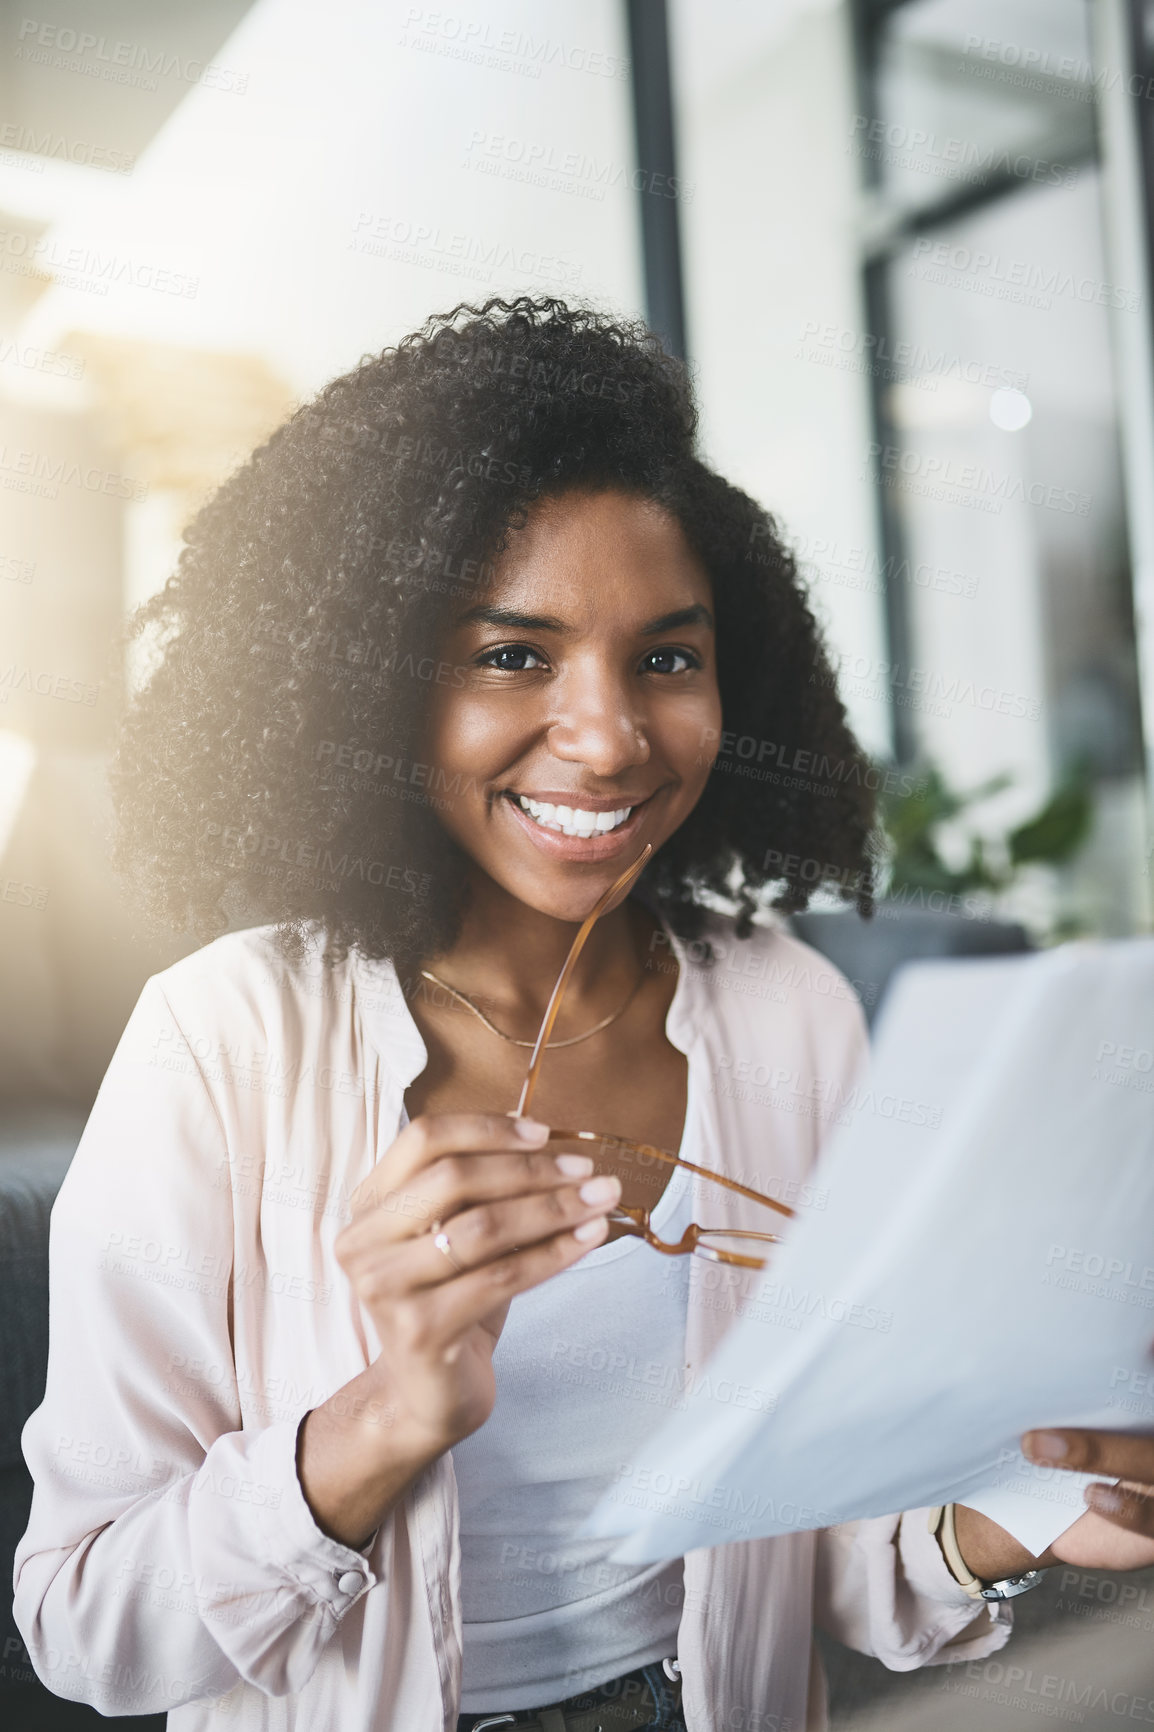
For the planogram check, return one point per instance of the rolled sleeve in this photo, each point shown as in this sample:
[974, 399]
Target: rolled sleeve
[272, 1585]
[883, 1588]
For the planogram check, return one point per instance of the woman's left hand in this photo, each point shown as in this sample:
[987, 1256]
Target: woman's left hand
[1117, 1531]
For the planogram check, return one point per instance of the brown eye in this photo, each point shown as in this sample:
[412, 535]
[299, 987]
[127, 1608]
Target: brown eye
[497, 658]
[687, 656]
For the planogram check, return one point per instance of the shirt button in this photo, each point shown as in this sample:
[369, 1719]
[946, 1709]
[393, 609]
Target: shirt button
[351, 1582]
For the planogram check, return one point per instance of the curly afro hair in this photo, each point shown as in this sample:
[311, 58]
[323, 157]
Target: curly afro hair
[298, 635]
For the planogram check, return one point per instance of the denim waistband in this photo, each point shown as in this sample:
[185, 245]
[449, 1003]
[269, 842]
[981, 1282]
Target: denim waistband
[624, 1694]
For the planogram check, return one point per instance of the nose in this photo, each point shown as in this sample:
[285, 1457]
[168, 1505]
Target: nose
[598, 724]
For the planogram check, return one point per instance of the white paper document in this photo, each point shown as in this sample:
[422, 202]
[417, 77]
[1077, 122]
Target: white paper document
[984, 1268]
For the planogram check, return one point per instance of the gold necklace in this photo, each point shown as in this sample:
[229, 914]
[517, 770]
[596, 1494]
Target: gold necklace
[427, 974]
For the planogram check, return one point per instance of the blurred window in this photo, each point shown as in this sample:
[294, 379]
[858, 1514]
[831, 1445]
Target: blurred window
[996, 453]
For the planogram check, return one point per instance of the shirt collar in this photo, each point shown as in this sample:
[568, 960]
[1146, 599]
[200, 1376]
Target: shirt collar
[393, 1030]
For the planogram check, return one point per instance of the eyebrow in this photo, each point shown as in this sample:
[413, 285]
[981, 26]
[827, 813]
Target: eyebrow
[510, 617]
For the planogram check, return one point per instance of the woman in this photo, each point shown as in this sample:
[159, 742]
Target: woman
[436, 665]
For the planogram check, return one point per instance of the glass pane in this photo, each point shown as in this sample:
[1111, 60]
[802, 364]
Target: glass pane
[973, 92]
[998, 450]
[1006, 471]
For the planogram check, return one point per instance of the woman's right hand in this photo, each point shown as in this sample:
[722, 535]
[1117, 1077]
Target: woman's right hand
[514, 1214]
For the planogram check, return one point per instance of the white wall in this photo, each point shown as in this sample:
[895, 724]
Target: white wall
[355, 168]
[382, 162]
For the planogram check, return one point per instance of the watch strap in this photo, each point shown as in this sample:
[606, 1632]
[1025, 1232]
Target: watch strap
[941, 1523]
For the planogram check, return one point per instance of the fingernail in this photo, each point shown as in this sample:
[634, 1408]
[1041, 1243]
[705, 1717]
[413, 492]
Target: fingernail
[1045, 1446]
[1104, 1498]
[604, 1189]
[574, 1166]
[530, 1130]
[591, 1229]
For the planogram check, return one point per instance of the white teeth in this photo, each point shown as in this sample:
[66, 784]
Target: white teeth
[572, 821]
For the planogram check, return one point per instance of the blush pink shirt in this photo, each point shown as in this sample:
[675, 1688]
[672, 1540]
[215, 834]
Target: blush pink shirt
[198, 1312]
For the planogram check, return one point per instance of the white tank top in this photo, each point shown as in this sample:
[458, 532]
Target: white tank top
[588, 1364]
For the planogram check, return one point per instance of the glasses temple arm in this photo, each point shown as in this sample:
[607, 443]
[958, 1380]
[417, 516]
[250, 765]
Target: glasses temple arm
[622, 884]
[730, 1184]
[703, 1172]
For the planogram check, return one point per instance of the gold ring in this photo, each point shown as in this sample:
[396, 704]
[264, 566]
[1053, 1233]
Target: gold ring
[441, 1241]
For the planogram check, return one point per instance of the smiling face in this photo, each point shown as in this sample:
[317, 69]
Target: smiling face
[589, 693]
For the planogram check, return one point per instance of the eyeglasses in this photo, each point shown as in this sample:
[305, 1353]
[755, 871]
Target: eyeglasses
[732, 1245]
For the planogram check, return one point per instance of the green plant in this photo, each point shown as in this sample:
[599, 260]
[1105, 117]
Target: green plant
[913, 822]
